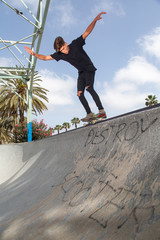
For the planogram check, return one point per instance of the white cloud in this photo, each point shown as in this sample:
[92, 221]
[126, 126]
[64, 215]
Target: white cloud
[122, 97]
[138, 71]
[65, 13]
[109, 6]
[151, 43]
[131, 85]
[7, 62]
[61, 89]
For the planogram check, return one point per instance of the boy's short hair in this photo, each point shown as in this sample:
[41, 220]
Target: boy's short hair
[58, 43]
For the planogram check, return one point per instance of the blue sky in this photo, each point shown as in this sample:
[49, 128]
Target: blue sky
[124, 46]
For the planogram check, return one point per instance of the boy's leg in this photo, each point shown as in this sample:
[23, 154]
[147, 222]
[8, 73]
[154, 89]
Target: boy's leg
[81, 88]
[90, 89]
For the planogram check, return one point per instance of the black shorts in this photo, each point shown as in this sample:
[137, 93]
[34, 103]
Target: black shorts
[85, 79]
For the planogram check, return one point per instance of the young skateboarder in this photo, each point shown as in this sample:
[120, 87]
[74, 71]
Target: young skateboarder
[76, 56]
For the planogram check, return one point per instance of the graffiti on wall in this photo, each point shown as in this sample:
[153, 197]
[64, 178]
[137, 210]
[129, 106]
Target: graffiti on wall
[97, 186]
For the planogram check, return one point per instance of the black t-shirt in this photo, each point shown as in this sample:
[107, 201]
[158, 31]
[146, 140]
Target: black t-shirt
[76, 56]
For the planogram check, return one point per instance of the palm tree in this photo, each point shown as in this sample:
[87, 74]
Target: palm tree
[66, 125]
[12, 105]
[58, 128]
[151, 100]
[5, 130]
[75, 121]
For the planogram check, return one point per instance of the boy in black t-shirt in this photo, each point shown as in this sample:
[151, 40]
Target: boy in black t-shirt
[76, 56]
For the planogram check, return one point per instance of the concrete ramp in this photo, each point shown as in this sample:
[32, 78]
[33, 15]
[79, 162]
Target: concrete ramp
[100, 182]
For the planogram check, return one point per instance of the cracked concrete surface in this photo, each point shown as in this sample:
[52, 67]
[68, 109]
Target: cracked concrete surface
[100, 182]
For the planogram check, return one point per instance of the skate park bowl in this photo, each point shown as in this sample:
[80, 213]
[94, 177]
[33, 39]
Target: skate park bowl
[100, 182]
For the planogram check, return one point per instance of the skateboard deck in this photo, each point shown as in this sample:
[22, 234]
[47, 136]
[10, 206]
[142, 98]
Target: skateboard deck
[96, 118]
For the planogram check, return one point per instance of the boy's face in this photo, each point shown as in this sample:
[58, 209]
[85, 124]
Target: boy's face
[64, 49]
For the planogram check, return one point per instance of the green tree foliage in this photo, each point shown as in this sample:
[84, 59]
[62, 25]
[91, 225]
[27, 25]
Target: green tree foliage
[75, 121]
[5, 130]
[66, 125]
[58, 128]
[11, 105]
[151, 100]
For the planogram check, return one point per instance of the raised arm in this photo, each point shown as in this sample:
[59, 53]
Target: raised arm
[92, 25]
[39, 56]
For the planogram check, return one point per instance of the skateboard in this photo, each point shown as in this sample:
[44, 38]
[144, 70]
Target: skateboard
[96, 118]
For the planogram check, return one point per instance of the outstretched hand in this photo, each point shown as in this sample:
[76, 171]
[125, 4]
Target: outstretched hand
[99, 16]
[92, 25]
[27, 49]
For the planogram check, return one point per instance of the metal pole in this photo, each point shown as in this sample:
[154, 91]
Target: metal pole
[29, 110]
[29, 113]
[19, 13]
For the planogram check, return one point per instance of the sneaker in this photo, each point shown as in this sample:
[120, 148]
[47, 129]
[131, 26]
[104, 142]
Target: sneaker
[102, 114]
[88, 117]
